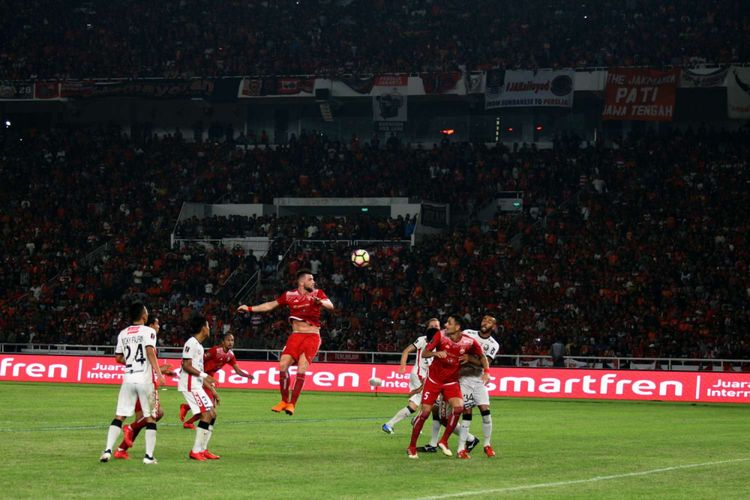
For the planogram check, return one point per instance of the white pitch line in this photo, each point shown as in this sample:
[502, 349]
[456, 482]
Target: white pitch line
[580, 481]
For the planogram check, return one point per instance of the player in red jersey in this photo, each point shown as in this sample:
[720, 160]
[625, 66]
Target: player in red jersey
[447, 348]
[130, 432]
[214, 359]
[302, 345]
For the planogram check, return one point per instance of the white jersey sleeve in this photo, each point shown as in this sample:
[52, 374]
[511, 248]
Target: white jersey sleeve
[489, 344]
[132, 343]
[192, 350]
[421, 364]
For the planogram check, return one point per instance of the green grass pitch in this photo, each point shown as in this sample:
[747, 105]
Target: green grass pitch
[51, 437]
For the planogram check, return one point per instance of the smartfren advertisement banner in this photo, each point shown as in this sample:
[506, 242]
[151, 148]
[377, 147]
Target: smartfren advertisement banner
[689, 387]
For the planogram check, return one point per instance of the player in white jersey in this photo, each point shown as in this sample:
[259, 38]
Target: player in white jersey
[191, 382]
[418, 373]
[136, 349]
[473, 389]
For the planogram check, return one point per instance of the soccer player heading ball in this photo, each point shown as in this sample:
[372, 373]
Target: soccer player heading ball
[304, 304]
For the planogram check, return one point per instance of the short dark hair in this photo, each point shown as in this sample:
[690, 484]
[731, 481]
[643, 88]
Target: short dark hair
[135, 311]
[197, 323]
[228, 334]
[151, 320]
[303, 272]
[457, 319]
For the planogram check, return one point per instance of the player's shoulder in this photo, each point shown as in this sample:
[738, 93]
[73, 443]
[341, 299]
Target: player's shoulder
[471, 333]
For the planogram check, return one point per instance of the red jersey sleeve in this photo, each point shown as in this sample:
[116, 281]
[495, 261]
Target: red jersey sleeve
[281, 299]
[434, 342]
[232, 359]
[321, 294]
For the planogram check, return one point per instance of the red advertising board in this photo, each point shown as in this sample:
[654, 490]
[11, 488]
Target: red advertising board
[706, 387]
[640, 94]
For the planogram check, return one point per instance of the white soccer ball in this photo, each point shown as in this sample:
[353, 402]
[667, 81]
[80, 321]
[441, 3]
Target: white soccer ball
[360, 258]
[376, 382]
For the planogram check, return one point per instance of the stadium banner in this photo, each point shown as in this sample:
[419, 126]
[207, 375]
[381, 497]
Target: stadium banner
[441, 82]
[389, 102]
[276, 86]
[689, 387]
[16, 91]
[46, 90]
[738, 93]
[693, 78]
[522, 89]
[640, 94]
[220, 89]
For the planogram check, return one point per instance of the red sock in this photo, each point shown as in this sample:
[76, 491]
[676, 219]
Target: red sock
[284, 386]
[418, 424]
[193, 419]
[452, 422]
[298, 383]
[138, 425]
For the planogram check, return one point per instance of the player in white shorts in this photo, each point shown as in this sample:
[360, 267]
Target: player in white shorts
[136, 349]
[416, 378]
[191, 382]
[473, 389]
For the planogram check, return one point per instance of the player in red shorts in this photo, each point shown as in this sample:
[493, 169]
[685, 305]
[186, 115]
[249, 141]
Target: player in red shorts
[302, 345]
[214, 359]
[447, 348]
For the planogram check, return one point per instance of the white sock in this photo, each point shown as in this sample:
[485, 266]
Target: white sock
[150, 442]
[487, 429]
[207, 438]
[398, 417]
[112, 435]
[200, 435]
[435, 432]
[463, 434]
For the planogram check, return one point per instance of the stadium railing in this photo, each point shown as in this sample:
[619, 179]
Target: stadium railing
[503, 360]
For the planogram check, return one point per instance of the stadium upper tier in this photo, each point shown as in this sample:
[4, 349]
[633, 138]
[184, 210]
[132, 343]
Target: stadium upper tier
[139, 38]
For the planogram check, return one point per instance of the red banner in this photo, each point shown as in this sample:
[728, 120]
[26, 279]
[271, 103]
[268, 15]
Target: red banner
[391, 81]
[640, 94]
[705, 387]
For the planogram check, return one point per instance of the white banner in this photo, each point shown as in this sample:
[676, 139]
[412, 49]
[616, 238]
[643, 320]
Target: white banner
[522, 89]
[389, 102]
[738, 93]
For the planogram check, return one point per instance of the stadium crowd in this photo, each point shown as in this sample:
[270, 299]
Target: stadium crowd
[635, 250]
[68, 40]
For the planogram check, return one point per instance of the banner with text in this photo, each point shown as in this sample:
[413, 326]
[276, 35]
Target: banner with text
[389, 102]
[706, 387]
[522, 89]
[738, 93]
[640, 94]
[12, 91]
[694, 78]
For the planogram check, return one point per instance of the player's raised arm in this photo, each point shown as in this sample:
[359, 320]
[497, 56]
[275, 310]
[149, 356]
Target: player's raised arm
[264, 307]
[239, 371]
[405, 355]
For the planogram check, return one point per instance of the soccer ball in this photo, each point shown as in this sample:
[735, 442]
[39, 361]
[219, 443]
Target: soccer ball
[360, 258]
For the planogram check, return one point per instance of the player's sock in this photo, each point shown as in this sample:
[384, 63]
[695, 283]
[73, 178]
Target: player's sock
[299, 381]
[418, 424]
[452, 421]
[200, 436]
[113, 433]
[402, 414]
[193, 419]
[150, 438]
[209, 433]
[137, 426]
[464, 432]
[435, 432]
[284, 386]
[486, 427]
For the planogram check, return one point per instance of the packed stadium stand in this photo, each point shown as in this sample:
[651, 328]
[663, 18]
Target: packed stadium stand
[194, 38]
[640, 249]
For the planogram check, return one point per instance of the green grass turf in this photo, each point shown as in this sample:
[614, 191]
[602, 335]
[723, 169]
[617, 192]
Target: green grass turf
[51, 437]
